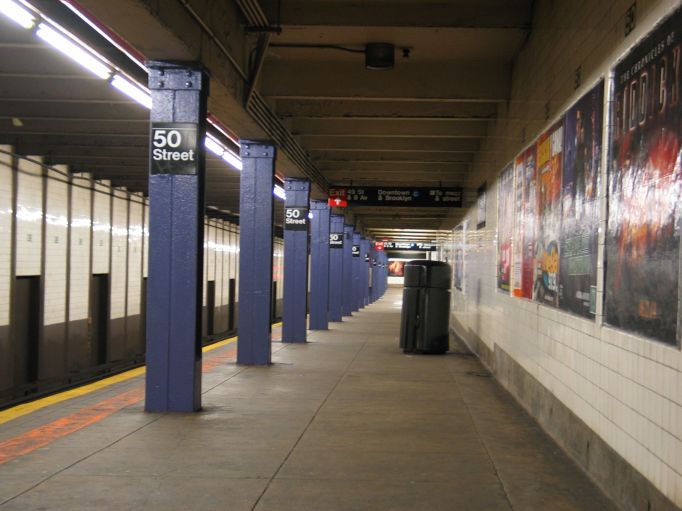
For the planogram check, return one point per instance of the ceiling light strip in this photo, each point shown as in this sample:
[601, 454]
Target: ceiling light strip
[69, 45]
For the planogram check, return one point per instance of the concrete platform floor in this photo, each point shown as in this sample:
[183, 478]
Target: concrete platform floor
[345, 422]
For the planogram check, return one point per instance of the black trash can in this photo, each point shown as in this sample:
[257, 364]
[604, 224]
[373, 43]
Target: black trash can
[425, 316]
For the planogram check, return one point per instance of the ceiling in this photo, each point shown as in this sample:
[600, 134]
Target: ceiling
[420, 124]
[51, 107]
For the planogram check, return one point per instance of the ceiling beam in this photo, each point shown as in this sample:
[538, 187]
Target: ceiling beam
[391, 144]
[395, 110]
[415, 81]
[512, 14]
[387, 128]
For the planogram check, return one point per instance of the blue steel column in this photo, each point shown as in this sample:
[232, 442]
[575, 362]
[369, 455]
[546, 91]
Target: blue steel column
[176, 237]
[295, 265]
[336, 271]
[375, 274]
[319, 265]
[365, 271]
[347, 300]
[255, 251]
[357, 292]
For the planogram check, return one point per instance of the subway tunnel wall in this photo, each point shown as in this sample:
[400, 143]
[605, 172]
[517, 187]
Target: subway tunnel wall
[73, 269]
[597, 365]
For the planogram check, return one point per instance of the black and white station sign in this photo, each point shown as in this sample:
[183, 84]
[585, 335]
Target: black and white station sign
[355, 250]
[295, 219]
[174, 148]
[336, 240]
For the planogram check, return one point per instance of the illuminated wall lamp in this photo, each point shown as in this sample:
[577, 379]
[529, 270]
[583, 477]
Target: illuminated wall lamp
[22, 17]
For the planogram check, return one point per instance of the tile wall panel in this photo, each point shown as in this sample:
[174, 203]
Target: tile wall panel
[626, 388]
[119, 253]
[6, 212]
[56, 245]
[101, 227]
[29, 216]
[81, 234]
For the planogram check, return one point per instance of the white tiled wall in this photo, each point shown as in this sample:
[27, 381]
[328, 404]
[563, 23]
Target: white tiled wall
[6, 211]
[119, 253]
[81, 233]
[56, 232]
[135, 234]
[101, 227]
[29, 214]
[88, 228]
[626, 388]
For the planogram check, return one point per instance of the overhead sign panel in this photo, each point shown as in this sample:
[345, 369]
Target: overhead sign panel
[417, 246]
[398, 196]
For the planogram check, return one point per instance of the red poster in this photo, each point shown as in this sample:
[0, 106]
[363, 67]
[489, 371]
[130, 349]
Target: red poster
[549, 159]
[524, 208]
[505, 221]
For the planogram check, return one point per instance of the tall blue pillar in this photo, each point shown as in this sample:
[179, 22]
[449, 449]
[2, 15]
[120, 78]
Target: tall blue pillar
[374, 276]
[347, 300]
[319, 265]
[176, 236]
[295, 259]
[364, 275]
[357, 262]
[336, 243]
[255, 251]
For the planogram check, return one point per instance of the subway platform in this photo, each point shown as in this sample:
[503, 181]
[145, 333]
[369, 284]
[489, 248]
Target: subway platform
[345, 422]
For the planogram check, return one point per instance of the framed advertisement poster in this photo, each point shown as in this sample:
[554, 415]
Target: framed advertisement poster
[505, 222]
[580, 204]
[549, 159]
[643, 233]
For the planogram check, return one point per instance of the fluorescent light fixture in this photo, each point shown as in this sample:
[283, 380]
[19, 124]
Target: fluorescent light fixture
[233, 159]
[279, 192]
[82, 15]
[22, 17]
[76, 52]
[213, 146]
[133, 91]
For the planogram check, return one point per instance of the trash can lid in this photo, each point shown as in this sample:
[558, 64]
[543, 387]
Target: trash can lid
[427, 273]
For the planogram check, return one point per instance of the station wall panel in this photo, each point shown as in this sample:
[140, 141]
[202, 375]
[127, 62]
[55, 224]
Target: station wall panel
[29, 217]
[118, 272]
[6, 236]
[616, 389]
[79, 353]
[101, 227]
[90, 244]
[52, 342]
[134, 344]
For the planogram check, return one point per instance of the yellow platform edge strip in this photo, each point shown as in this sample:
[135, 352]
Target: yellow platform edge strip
[26, 408]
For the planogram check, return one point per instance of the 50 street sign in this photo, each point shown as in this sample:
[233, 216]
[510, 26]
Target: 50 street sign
[174, 148]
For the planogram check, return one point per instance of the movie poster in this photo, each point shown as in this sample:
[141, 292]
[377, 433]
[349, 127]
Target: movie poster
[505, 221]
[458, 267]
[481, 205]
[643, 236]
[580, 204]
[549, 158]
[524, 208]
[396, 268]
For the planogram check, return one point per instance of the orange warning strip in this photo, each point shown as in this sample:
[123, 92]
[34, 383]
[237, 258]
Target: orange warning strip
[44, 435]
[48, 433]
